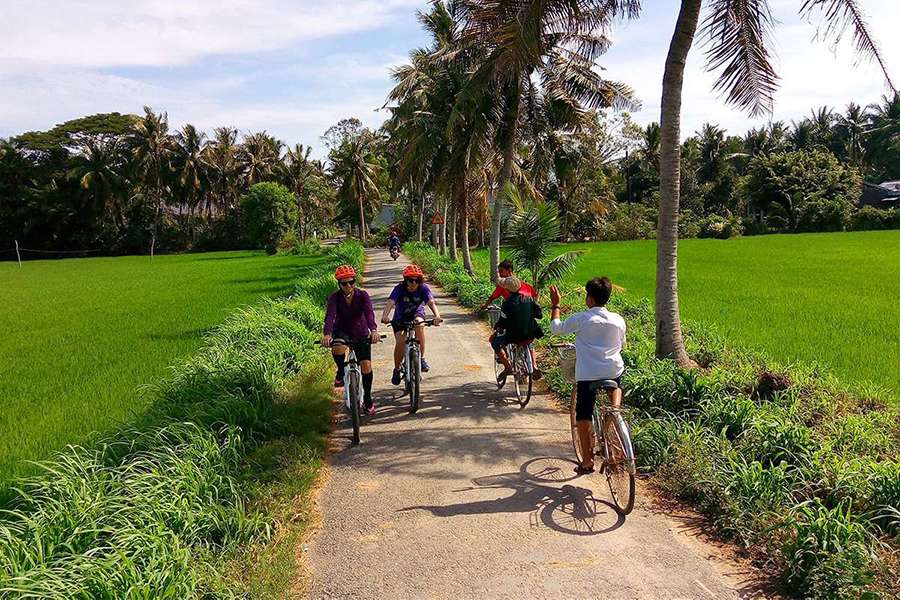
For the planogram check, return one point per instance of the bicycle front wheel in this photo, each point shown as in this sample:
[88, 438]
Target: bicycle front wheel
[354, 390]
[619, 464]
[414, 376]
[525, 371]
[575, 443]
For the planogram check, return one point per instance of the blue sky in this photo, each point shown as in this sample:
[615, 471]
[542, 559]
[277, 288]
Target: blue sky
[294, 67]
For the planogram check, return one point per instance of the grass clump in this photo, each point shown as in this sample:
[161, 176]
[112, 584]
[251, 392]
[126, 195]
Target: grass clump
[789, 462]
[152, 511]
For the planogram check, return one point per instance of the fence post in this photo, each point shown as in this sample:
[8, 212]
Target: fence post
[18, 256]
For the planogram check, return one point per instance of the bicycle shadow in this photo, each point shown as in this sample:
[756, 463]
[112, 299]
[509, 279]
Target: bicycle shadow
[568, 508]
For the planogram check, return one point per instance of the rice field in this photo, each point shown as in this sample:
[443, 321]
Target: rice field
[82, 336]
[826, 298]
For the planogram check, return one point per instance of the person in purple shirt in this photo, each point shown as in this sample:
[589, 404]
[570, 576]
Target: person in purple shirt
[349, 316]
[408, 301]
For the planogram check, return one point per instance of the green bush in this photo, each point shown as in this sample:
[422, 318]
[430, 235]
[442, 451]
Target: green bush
[825, 215]
[146, 512]
[719, 227]
[269, 211]
[870, 218]
[628, 222]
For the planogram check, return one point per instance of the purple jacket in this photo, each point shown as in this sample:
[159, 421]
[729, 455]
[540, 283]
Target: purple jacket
[356, 319]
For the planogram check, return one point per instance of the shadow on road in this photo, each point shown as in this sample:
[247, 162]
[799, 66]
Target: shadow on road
[567, 509]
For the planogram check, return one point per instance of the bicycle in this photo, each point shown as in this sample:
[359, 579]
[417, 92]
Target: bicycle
[612, 435]
[395, 252]
[519, 355]
[354, 400]
[411, 367]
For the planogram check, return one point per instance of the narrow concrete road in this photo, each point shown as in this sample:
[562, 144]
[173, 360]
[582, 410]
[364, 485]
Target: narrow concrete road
[474, 498]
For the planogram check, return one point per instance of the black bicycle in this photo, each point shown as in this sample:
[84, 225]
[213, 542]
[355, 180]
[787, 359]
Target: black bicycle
[411, 367]
[354, 399]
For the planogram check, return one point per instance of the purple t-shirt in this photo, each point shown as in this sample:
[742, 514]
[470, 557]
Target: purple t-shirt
[356, 319]
[410, 305]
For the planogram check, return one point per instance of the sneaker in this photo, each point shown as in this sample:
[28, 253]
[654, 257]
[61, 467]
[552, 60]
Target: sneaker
[425, 367]
[395, 378]
[370, 409]
[338, 382]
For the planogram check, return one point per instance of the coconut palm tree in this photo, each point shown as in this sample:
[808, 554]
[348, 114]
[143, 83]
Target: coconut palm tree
[259, 155]
[153, 153]
[739, 37]
[305, 177]
[221, 154]
[355, 166]
[555, 41]
[884, 138]
[99, 167]
[192, 170]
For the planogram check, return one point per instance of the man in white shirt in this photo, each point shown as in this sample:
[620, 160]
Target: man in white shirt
[599, 338]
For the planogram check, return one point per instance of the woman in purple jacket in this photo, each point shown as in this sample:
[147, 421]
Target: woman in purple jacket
[349, 317]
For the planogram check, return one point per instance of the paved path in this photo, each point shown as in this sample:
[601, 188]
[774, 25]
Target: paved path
[474, 498]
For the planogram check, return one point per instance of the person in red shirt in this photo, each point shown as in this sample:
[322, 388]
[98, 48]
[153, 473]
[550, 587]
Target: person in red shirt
[504, 270]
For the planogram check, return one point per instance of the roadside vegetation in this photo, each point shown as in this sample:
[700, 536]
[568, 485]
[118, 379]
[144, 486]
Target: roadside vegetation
[83, 336]
[789, 462]
[153, 510]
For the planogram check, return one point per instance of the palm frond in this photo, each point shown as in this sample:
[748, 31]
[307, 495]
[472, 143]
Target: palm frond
[841, 15]
[738, 36]
[558, 268]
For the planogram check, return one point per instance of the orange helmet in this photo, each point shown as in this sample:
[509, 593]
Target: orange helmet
[413, 271]
[344, 272]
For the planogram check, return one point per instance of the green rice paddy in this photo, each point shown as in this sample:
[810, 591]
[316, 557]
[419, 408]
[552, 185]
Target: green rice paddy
[81, 336]
[826, 298]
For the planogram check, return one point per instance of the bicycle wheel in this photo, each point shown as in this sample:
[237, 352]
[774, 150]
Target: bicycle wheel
[354, 389]
[575, 445]
[415, 377]
[619, 464]
[525, 371]
[513, 353]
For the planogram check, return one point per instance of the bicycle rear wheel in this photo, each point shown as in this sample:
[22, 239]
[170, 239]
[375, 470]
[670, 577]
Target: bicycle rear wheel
[354, 389]
[526, 371]
[619, 464]
[414, 377]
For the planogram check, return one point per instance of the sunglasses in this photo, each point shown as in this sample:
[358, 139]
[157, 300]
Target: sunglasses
[348, 282]
[412, 280]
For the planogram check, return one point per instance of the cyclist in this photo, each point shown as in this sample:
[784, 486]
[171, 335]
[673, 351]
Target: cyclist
[408, 300]
[394, 240]
[599, 338]
[504, 270]
[518, 323]
[349, 317]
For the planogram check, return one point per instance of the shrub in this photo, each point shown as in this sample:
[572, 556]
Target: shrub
[269, 211]
[628, 222]
[719, 227]
[871, 218]
[825, 215]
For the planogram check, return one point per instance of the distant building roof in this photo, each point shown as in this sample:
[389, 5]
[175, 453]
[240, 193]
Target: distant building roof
[880, 196]
[891, 185]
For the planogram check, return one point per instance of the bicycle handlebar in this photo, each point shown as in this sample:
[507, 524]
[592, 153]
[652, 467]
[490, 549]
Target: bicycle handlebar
[343, 342]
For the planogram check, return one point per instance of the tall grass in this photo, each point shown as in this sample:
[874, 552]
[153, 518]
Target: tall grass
[787, 461]
[148, 511]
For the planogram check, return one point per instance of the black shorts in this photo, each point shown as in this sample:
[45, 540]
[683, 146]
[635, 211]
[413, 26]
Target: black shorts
[400, 326]
[586, 398]
[362, 348]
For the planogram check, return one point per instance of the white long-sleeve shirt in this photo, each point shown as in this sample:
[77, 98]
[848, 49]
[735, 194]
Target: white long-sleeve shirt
[599, 337]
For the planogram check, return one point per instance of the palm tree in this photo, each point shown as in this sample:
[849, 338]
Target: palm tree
[192, 169]
[556, 41]
[305, 178]
[258, 156]
[884, 138]
[221, 154]
[533, 227]
[99, 168]
[851, 133]
[739, 35]
[153, 152]
[356, 167]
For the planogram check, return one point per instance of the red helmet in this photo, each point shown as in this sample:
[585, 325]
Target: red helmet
[344, 272]
[413, 271]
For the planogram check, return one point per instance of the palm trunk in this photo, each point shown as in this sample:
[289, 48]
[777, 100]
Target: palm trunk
[421, 215]
[669, 341]
[451, 225]
[362, 220]
[511, 119]
[464, 213]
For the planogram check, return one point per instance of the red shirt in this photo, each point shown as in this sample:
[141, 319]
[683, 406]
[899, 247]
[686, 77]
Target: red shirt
[525, 290]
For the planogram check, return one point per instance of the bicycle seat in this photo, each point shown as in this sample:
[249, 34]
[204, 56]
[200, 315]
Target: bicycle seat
[604, 384]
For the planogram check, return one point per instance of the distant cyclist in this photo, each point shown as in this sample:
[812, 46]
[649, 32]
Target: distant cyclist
[504, 270]
[349, 316]
[599, 338]
[517, 324]
[394, 240]
[408, 301]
